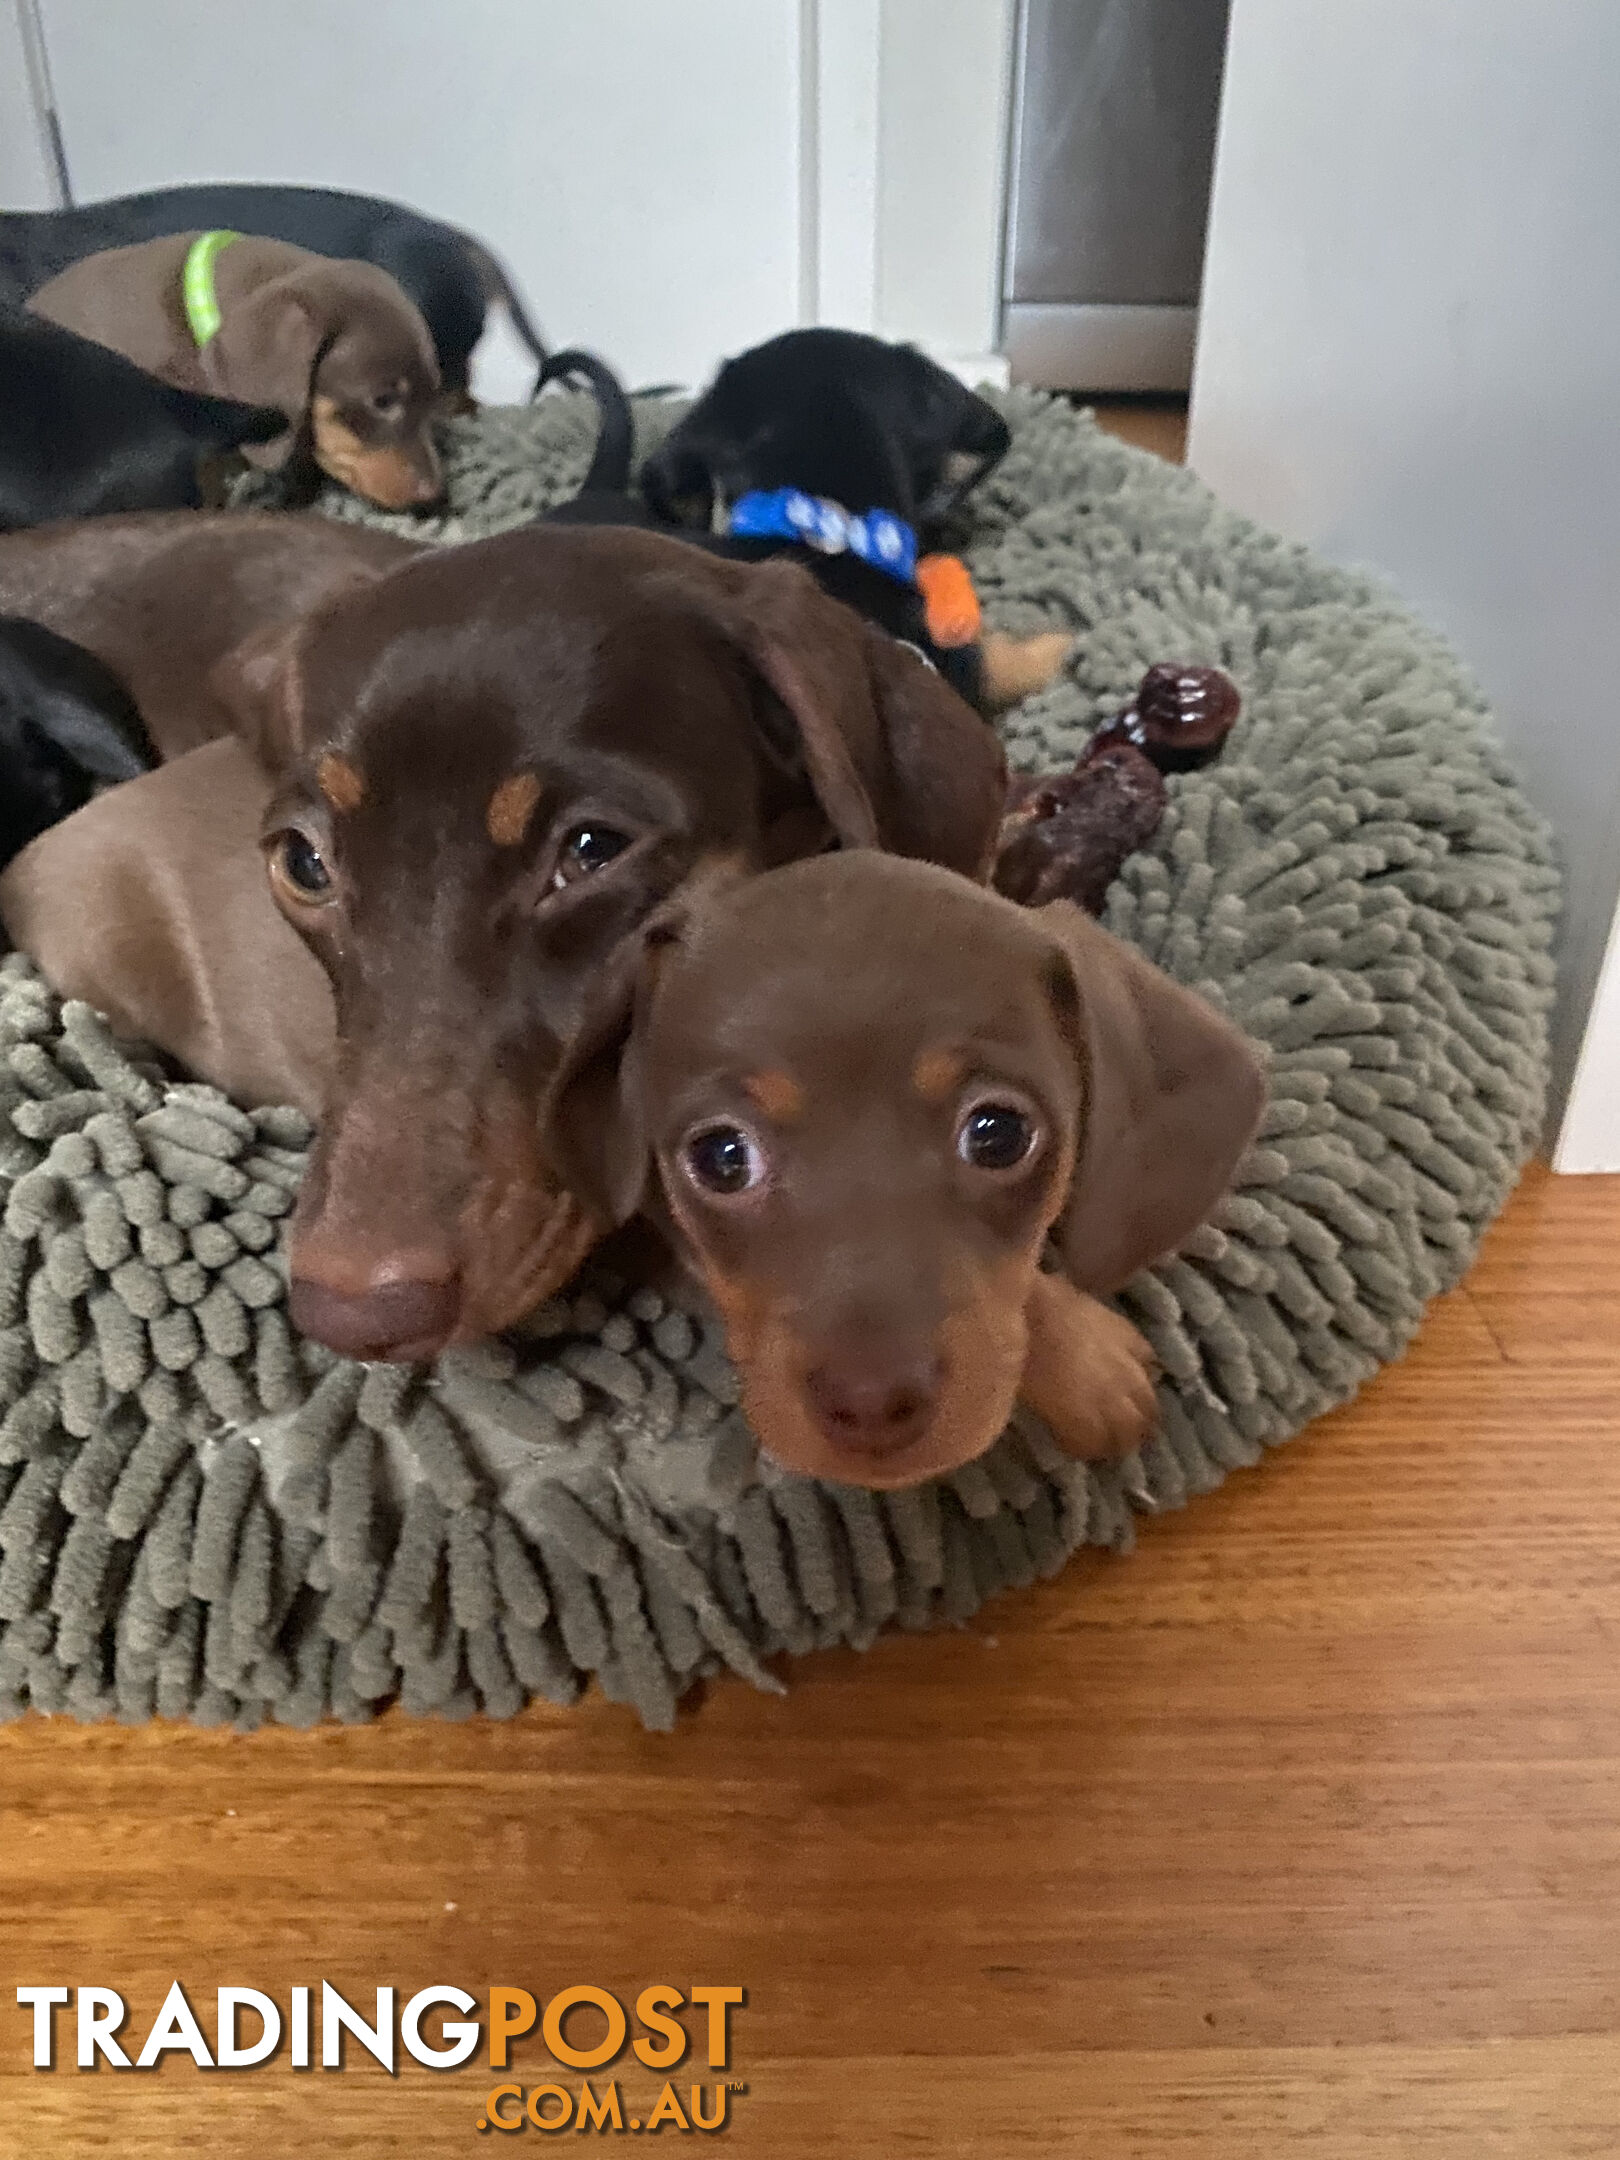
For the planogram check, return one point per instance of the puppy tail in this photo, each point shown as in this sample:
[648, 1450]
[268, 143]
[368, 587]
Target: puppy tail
[610, 466]
[497, 284]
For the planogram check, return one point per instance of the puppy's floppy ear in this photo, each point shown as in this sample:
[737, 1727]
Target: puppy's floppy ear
[896, 758]
[978, 441]
[593, 1121]
[260, 685]
[677, 483]
[948, 767]
[980, 432]
[1174, 1094]
[266, 348]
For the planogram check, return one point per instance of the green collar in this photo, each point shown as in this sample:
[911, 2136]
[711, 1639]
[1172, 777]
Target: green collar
[197, 284]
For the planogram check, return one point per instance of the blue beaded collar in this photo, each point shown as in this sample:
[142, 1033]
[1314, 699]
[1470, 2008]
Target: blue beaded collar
[815, 521]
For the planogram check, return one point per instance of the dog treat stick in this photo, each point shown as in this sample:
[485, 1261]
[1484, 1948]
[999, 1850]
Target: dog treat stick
[1070, 834]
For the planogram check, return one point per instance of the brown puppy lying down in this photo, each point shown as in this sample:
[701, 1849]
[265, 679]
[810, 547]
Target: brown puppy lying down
[874, 1095]
[161, 596]
[151, 904]
[336, 345]
[485, 767]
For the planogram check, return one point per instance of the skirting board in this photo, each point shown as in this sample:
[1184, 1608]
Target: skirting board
[977, 370]
[1589, 1137]
[1097, 347]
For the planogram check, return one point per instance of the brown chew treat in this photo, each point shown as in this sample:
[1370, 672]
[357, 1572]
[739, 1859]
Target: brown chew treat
[1069, 835]
[1065, 837]
[1179, 717]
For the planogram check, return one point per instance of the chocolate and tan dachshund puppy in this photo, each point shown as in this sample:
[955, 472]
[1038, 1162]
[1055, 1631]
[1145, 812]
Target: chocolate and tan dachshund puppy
[448, 274]
[868, 1098]
[335, 345]
[486, 766]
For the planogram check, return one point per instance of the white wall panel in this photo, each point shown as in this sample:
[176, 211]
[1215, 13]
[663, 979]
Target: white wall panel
[1409, 350]
[635, 163]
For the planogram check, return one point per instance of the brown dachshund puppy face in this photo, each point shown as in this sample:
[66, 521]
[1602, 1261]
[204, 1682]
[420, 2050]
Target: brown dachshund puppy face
[461, 853]
[863, 1095]
[374, 396]
[873, 1093]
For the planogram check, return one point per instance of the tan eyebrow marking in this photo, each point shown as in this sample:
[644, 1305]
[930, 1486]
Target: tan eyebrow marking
[511, 807]
[778, 1094]
[938, 1074]
[343, 787]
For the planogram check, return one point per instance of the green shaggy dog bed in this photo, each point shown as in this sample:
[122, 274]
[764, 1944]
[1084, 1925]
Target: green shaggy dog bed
[201, 1517]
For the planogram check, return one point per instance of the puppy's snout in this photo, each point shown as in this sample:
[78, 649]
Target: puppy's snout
[873, 1402]
[402, 1318]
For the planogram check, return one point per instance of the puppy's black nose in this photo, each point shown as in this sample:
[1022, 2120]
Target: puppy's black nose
[871, 1403]
[403, 1322]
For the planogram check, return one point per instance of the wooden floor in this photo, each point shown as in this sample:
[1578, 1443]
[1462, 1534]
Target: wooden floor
[1158, 424]
[1296, 1833]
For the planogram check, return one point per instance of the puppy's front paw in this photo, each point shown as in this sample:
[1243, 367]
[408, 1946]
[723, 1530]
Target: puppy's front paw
[1088, 1374]
[1117, 1413]
[1015, 668]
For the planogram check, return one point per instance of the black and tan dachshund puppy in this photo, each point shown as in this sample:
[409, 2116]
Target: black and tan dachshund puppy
[845, 452]
[852, 453]
[84, 432]
[837, 413]
[67, 724]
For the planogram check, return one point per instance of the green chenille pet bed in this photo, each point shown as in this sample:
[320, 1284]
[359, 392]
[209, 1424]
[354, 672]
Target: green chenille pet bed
[201, 1517]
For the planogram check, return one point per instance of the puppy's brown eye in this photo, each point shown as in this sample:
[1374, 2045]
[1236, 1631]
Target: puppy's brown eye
[724, 1159]
[388, 405]
[995, 1136]
[296, 864]
[586, 849]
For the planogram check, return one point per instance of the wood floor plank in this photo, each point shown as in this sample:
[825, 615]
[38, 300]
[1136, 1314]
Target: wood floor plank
[1547, 1289]
[1158, 424]
[1517, 2100]
[1524, 2101]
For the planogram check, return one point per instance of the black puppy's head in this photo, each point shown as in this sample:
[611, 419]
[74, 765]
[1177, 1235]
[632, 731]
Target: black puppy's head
[837, 413]
[66, 723]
